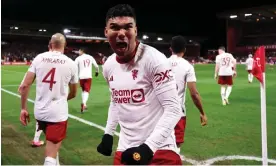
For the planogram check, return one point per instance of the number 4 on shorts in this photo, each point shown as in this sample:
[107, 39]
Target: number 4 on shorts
[50, 74]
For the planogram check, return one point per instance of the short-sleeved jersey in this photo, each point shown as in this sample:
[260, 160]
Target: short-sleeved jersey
[53, 71]
[225, 61]
[144, 94]
[249, 63]
[184, 72]
[84, 63]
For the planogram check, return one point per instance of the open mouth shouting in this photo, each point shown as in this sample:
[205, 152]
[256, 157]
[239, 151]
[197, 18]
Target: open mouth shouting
[121, 46]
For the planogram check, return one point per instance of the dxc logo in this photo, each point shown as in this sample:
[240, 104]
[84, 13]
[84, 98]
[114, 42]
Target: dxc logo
[167, 75]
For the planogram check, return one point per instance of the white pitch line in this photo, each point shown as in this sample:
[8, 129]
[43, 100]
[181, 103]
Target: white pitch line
[192, 161]
[234, 157]
[12, 71]
[70, 116]
[11, 85]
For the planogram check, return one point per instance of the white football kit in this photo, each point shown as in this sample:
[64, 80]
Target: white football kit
[184, 72]
[249, 63]
[54, 71]
[225, 62]
[84, 63]
[144, 100]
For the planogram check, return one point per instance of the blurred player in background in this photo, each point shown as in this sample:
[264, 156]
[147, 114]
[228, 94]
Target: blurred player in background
[234, 67]
[193, 62]
[144, 96]
[84, 63]
[271, 63]
[184, 75]
[249, 65]
[225, 70]
[103, 58]
[35, 142]
[54, 73]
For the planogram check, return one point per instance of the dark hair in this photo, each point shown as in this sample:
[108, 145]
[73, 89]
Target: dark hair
[178, 44]
[121, 10]
[222, 48]
[83, 49]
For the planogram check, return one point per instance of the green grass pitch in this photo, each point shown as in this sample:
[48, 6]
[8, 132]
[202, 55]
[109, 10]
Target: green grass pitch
[234, 129]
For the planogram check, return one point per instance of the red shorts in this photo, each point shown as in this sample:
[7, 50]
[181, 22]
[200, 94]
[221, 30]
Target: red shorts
[249, 71]
[161, 157]
[86, 84]
[179, 130]
[54, 131]
[225, 80]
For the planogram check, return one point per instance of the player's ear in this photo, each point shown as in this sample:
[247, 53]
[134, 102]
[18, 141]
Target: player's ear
[135, 31]
[105, 31]
[171, 49]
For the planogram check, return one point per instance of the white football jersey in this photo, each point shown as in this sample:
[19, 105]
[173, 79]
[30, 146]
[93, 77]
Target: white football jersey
[249, 63]
[225, 61]
[144, 100]
[54, 71]
[84, 63]
[184, 72]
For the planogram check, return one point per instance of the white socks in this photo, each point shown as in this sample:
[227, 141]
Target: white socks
[178, 150]
[37, 133]
[57, 159]
[250, 77]
[228, 92]
[222, 92]
[85, 96]
[225, 92]
[50, 161]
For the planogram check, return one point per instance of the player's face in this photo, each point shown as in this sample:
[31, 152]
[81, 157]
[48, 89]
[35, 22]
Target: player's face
[80, 52]
[121, 33]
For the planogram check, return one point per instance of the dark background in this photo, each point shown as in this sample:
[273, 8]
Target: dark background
[188, 18]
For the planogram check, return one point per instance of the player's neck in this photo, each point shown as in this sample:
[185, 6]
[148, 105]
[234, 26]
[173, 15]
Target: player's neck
[180, 55]
[127, 58]
[57, 50]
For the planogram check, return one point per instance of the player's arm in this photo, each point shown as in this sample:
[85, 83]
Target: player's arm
[112, 119]
[234, 62]
[73, 84]
[191, 83]
[24, 90]
[164, 86]
[77, 64]
[96, 66]
[20, 88]
[105, 147]
[217, 67]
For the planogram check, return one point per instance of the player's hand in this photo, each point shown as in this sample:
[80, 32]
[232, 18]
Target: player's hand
[19, 89]
[235, 74]
[140, 155]
[96, 74]
[203, 119]
[105, 147]
[24, 117]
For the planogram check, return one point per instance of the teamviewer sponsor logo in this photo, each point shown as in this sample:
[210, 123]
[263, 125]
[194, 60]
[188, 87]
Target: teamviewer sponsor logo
[128, 96]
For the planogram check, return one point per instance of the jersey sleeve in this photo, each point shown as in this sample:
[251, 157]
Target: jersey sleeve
[112, 118]
[217, 59]
[191, 77]
[34, 64]
[74, 78]
[95, 64]
[164, 85]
